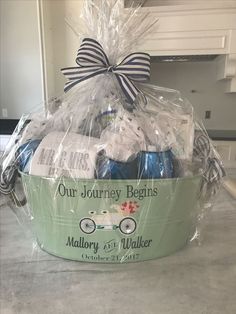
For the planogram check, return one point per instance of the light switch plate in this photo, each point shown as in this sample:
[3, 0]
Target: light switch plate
[4, 113]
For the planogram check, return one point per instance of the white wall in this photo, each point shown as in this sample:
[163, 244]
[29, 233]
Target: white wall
[61, 44]
[21, 88]
[210, 94]
[53, 13]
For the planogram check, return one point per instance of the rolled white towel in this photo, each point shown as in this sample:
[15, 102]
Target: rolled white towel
[65, 154]
[124, 138]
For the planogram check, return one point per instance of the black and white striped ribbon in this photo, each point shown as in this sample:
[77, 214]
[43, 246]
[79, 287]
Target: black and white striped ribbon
[92, 61]
[8, 178]
[214, 169]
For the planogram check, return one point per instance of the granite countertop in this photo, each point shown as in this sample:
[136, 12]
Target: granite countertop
[222, 135]
[197, 279]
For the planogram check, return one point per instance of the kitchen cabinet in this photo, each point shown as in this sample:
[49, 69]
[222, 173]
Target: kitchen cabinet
[227, 151]
[194, 28]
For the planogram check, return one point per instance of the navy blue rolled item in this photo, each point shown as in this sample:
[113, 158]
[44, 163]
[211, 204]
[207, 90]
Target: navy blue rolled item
[155, 165]
[112, 169]
[25, 153]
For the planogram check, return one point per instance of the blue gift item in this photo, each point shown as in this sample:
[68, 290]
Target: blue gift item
[24, 154]
[155, 165]
[112, 169]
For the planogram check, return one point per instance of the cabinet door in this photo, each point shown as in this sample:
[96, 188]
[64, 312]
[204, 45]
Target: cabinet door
[227, 151]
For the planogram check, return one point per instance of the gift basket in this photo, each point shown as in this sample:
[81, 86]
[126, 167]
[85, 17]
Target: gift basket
[116, 170]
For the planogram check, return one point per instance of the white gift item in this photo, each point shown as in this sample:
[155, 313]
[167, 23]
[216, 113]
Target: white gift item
[151, 148]
[35, 129]
[124, 138]
[65, 154]
[157, 131]
[119, 147]
[167, 130]
[185, 136]
[179, 133]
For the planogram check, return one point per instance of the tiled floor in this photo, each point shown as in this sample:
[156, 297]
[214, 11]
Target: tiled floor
[196, 280]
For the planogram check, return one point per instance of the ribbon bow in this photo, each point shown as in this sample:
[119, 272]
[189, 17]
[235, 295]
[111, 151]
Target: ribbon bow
[8, 178]
[92, 61]
[214, 169]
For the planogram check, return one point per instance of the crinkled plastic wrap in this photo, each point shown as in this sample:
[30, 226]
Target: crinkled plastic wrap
[100, 178]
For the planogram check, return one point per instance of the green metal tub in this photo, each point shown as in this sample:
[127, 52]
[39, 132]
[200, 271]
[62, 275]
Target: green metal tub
[112, 221]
